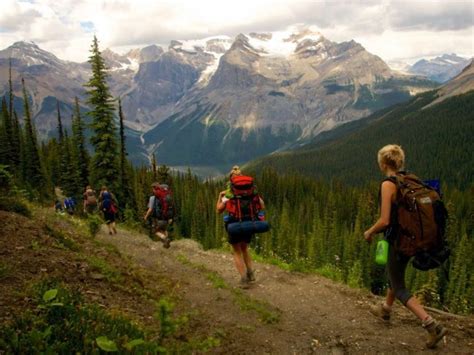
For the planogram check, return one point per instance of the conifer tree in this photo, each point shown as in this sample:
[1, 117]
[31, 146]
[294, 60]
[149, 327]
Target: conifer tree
[79, 151]
[32, 167]
[104, 165]
[6, 136]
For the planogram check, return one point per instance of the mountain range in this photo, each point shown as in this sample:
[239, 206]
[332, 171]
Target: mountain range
[218, 101]
[434, 128]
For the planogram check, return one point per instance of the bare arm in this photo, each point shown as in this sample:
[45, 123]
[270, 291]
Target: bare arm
[262, 204]
[220, 206]
[148, 213]
[388, 192]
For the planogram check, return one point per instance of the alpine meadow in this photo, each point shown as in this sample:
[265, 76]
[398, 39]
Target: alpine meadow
[116, 196]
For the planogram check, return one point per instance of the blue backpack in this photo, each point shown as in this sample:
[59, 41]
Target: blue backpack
[106, 201]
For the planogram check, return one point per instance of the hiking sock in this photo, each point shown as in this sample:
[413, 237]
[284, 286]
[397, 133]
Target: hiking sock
[386, 307]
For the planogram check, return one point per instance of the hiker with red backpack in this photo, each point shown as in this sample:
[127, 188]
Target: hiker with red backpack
[408, 208]
[108, 206]
[161, 209]
[244, 212]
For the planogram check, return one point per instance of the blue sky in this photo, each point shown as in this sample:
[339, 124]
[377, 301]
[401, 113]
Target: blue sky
[391, 29]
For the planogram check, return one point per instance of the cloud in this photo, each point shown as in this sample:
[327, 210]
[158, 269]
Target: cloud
[66, 27]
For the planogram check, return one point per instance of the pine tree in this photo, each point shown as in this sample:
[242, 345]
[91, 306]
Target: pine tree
[32, 166]
[104, 166]
[6, 137]
[79, 151]
[125, 192]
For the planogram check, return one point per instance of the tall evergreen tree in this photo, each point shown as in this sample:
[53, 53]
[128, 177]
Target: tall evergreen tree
[32, 166]
[15, 138]
[79, 145]
[6, 136]
[104, 165]
[125, 192]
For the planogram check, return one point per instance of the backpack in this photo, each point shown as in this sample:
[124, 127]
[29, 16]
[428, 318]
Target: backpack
[163, 207]
[244, 204]
[421, 222]
[91, 200]
[108, 203]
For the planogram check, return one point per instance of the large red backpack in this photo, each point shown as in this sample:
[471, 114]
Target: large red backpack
[244, 204]
[163, 207]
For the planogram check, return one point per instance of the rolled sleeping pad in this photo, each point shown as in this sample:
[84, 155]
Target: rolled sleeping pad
[248, 227]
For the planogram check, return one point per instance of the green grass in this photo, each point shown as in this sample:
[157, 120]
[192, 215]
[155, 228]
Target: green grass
[111, 274]
[61, 238]
[266, 312]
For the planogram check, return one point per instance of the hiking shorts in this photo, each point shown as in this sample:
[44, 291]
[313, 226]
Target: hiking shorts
[109, 217]
[159, 225]
[234, 239]
[91, 209]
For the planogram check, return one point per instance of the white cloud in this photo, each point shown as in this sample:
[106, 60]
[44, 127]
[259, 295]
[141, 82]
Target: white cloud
[389, 28]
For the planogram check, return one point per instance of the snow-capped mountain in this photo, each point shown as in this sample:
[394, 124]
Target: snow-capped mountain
[219, 100]
[440, 69]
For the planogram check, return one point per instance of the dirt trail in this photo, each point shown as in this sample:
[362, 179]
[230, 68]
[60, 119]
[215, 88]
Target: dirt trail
[284, 313]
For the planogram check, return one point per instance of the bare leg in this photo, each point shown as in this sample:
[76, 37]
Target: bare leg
[417, 309]
[246, 255]
[238, 260]
[390, 298]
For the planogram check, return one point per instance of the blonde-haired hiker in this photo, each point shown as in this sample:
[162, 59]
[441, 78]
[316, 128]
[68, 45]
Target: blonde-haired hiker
[391, 160]
[247, 210]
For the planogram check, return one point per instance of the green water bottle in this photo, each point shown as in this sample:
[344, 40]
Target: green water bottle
[381, 252]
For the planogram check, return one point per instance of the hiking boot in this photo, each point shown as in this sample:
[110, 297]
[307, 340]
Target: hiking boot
[436, 332]
[250, 275]
[166, 242]
[380, 311]
[244, 282]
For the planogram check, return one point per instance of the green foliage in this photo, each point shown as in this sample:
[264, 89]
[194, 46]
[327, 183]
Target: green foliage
[63, 323]
[94, 222]
[164, 314]
[104, 164]
[14, 204]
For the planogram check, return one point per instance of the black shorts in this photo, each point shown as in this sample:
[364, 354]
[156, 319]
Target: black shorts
[234, 239]
[159, 225]
[109, 217]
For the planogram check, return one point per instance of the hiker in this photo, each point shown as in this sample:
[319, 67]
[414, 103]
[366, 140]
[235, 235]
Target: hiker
[58, 207]
[391, 160]
[240, 241]
[69, 205]
[108, 206]
[90, 200]
[161, 210]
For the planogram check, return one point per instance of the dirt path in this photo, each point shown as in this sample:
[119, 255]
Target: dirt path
[283, 313]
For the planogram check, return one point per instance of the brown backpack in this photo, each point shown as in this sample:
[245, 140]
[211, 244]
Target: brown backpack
[421, 216]
[91, 200]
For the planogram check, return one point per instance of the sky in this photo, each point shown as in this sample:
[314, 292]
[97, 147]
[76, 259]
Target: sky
[394, 30]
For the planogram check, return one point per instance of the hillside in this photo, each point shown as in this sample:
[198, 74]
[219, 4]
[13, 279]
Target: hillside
[437, 140]
[284, 312]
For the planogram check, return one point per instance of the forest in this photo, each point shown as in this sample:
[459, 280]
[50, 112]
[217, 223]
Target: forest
[317, 221]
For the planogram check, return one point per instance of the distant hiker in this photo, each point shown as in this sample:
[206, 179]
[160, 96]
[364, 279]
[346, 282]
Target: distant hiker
[241, 205]
[108, 206]
[391, 160]
[161, 209]
[58, 207]
[90, 200]
[69, 205]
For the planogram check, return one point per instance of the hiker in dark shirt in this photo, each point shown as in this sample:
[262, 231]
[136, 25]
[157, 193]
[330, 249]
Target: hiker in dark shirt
[161, 210]
[108, 205]
[391, 159]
